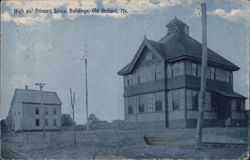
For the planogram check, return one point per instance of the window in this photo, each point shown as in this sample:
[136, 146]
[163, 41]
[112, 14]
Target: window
[140, 74]
[126, 81]
[54, 111]
[215, 102]
[233, 108]
[158, 102]
[195, 100]
[148, 57]
[212, 73]
[54, 122]
[228, 76]
[130, 80]
[130, 109]
[37, 111]
[158, 74]
[141, 104]
[175, 69]
[46, 122]
[158, 105]
[46, 110]
[170, 71]
[176, 100]
[141, 108]
[37, 122]
[238, 105]
[194, 69]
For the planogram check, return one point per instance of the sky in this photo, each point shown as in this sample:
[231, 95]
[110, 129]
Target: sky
[50, 48]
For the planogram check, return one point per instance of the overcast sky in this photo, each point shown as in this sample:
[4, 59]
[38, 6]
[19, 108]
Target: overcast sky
[49, 48]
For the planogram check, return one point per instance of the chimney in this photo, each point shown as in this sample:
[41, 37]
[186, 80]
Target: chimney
[26, 87]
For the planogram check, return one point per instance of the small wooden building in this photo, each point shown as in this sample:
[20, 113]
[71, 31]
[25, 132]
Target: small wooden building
[162, 83]
[34, 110]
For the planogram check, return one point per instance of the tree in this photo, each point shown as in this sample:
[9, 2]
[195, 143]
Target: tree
[3, 126]
[67, 121]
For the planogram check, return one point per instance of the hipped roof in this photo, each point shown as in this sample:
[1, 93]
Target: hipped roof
[179, 45]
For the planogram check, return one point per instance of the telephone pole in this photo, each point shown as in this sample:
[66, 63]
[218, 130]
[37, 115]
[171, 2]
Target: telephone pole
[73, 100]
[203, 86]
[86, 86]
[41, 85]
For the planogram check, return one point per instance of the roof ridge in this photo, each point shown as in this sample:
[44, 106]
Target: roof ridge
[35, 90]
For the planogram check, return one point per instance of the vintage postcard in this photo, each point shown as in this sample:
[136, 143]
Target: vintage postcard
[124, 79]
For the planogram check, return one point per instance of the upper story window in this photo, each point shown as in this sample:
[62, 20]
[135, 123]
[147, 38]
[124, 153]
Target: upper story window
[54, 111]
[130, 80]
[176, 69]
[140, 75]
[194, 69]
[46, 110]
[212, 73]
[37, 111]
[126, 81]
[55, 122]
[158, 72]
[148, 57]
[46, 122]
[228, 76]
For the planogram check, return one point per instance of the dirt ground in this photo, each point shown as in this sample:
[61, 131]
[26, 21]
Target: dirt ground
[117, 144]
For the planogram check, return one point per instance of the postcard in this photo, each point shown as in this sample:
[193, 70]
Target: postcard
[124, 79]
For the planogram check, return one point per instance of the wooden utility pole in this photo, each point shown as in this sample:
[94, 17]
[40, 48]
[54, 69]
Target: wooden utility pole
[86, 86]
[203, 87]
[41, 85]
[72, 100]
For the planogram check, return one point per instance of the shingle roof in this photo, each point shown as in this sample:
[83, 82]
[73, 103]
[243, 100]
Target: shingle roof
[178, 45]
[181, 44]
[36, 96]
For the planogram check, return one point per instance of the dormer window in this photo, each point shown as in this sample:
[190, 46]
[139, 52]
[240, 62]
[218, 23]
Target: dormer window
[194, 69]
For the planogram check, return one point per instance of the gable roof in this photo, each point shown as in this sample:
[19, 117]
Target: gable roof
[36, 96]
[179, 45]
[151, 45]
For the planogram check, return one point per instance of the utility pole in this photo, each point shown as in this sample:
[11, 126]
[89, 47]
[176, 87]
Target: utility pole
[203, 87]
[86, 86]
[41, 85]
[72, 100]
